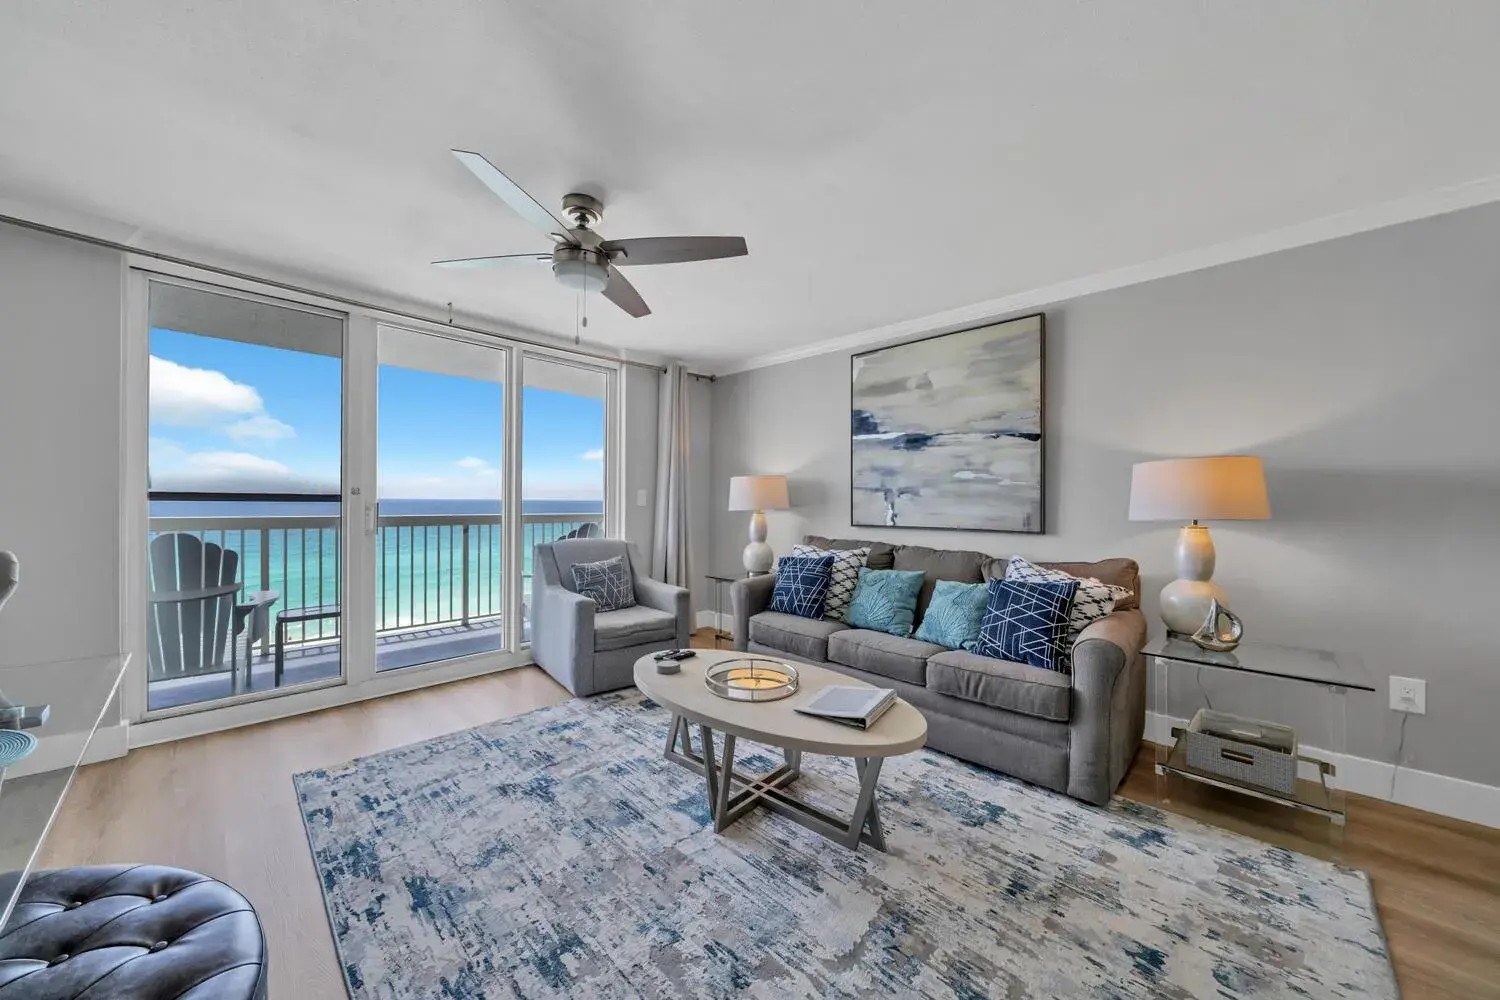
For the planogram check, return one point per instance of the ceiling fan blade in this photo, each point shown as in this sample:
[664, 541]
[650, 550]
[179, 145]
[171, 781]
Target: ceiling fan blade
[623, 294]
[673, 249]
[511, 193]
[508, 258]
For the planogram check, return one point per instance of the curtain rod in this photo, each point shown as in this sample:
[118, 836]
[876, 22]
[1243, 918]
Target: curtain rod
[99, 241]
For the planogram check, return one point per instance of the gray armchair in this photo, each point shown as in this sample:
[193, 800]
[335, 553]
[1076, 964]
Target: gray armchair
[589, 651]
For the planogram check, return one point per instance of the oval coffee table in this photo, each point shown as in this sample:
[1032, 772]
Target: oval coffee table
[731, 793]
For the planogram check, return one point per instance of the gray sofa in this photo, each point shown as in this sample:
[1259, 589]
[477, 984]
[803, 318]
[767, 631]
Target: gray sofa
[588, 651]
[1076, 734]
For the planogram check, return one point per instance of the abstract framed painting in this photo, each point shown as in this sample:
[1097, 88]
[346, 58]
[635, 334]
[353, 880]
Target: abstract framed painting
[946, 432]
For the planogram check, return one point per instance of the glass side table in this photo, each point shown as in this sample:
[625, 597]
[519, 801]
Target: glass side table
[61, 704]
[1179, 681]
[722, 582]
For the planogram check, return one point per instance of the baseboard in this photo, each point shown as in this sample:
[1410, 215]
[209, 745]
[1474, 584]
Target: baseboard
[1434, 793]
[712, 619]
[53, 752]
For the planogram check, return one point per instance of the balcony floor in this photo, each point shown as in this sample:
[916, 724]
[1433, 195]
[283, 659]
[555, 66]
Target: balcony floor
[307, 664]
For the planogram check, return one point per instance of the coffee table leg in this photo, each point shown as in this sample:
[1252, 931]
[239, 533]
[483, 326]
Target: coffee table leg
[869, 772]
[793, 760]
[726, 782]
[864, 806]
[706, 735]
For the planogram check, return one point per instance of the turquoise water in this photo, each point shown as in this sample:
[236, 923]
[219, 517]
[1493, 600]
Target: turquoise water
[421, 568]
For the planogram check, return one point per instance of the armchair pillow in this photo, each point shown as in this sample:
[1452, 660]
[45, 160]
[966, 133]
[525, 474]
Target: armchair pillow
[845, 576]
[954, 614]
[607, 583]
[1027, 622]
[802, 585]
[885, 600]
[1095, 598]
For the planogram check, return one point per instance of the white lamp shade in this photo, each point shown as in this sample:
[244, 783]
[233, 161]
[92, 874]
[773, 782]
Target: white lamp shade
[758, 493]
[1224, 487]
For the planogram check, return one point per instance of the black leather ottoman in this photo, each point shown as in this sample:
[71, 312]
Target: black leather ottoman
[131, 932]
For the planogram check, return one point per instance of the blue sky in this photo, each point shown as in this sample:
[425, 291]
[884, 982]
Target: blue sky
[228, 416]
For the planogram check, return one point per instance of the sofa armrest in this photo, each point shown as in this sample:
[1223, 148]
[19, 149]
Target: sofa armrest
[562, 635]
[675, 601]
[1108, 713]
[749, 597]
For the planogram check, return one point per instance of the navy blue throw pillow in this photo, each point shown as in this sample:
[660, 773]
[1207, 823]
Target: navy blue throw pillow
[802, 585]
[1027, 622]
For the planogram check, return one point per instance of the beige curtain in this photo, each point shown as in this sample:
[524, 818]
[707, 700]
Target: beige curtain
[670, 558]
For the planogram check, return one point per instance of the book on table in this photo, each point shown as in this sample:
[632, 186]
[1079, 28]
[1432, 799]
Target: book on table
[848, 705]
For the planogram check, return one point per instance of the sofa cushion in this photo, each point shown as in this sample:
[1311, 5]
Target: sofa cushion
[1119, 572]
[881, 553]
[843, 576]
[802, 585]
[885, 600]
[1015, 687]
[632, 626]
[1027, 622]
[1095, 598]
[940, 564]
[805, 638]
[952, 619]
[879, 653]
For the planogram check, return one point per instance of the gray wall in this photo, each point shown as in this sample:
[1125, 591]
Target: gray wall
[1362, 370]
[60, 337]
[642, 387]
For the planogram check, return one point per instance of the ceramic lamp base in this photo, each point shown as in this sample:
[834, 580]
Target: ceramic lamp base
[758, 556]
[1185, 601]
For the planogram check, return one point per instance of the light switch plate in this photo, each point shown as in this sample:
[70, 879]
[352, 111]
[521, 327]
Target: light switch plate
[1409, 694]
[640, 498]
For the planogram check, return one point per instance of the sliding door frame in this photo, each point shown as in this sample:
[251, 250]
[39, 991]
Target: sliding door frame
[613, 474]
[359, 679]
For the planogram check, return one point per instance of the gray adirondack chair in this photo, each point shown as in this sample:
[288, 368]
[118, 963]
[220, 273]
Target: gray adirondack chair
[193, 619]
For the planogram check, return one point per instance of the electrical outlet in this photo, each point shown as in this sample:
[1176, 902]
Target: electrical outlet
[1409, 694]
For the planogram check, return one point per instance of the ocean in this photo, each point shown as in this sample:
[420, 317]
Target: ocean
[420, 545]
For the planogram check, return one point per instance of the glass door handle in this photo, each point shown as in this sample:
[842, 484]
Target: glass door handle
[369, 518]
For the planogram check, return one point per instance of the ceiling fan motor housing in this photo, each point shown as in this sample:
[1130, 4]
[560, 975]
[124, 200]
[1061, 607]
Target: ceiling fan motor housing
[582, 209]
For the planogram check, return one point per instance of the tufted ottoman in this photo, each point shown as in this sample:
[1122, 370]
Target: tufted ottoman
[131, 932]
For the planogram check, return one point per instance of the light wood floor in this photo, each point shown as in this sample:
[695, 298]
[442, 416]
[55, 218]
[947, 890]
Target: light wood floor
[223, 804]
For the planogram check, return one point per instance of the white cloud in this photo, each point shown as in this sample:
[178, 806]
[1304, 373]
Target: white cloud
[261, 427]
[474, 464]
[593, 455]
[198, 397]
[175, 468]
[234, 463]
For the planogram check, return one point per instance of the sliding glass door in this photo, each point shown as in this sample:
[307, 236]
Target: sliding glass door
[440, 548]
[566, 445]
[243, 545]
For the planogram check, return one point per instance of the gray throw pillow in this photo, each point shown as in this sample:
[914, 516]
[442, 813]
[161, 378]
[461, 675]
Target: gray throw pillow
[607, 583]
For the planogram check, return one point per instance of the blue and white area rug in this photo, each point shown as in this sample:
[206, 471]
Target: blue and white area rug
[558, 855]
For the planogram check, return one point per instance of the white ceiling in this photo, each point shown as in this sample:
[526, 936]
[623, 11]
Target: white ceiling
[884, 160]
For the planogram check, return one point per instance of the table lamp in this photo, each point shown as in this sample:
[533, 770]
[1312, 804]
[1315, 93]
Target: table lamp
[758, 494]
[1225, 487]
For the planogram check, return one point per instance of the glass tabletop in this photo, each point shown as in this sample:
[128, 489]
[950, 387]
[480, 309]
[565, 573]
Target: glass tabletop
[1313, 666]
[727, 577]
[60, 705]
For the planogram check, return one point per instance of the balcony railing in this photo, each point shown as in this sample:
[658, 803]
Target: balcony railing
[432, 569]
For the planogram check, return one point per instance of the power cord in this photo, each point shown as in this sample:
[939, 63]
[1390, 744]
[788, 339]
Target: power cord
[1400, 753]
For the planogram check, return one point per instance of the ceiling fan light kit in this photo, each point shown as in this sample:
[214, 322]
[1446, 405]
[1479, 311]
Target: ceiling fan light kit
[582, 260]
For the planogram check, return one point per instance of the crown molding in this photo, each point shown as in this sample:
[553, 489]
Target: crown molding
[1439, 201]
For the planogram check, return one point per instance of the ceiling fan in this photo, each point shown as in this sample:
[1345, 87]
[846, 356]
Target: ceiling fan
[582, 259]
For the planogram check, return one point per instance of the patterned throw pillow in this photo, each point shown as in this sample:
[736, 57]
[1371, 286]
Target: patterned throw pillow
[607, 583]
[802, 585]
[1027, 622]
[846, 566]
[953, 616]
[1095, 600]
[885, 600]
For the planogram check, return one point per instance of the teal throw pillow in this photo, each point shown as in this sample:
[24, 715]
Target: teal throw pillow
[885, 600]
[953, 616]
